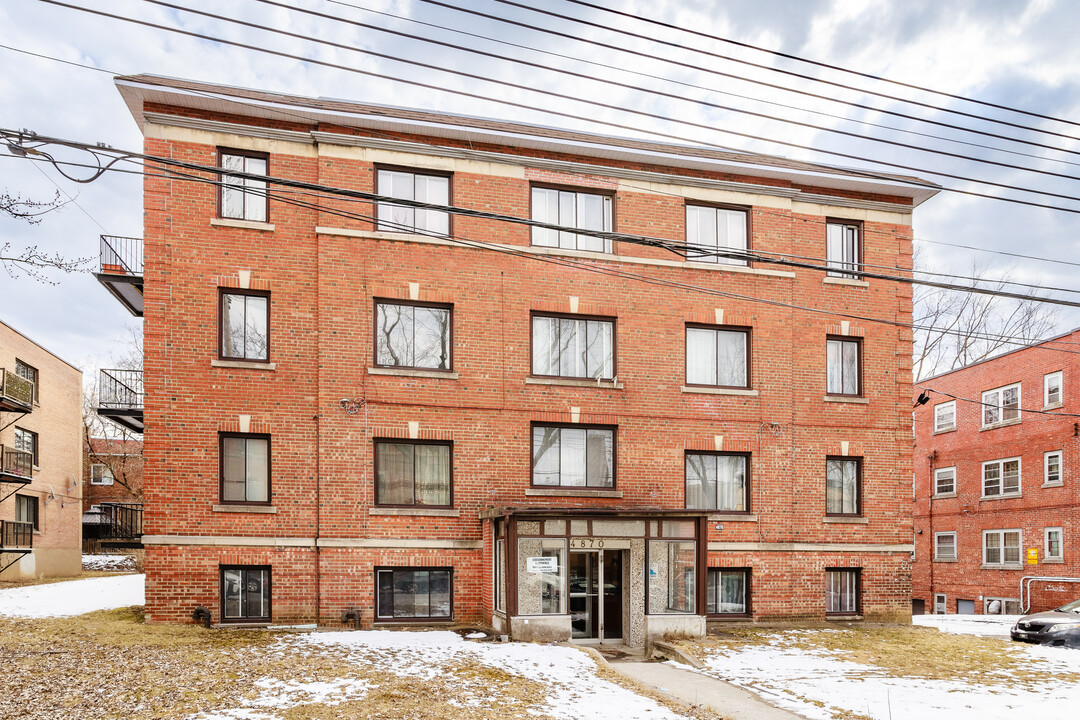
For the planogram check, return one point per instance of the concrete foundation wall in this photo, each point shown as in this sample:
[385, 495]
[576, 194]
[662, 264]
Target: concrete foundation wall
[659, 626]
[537, 628]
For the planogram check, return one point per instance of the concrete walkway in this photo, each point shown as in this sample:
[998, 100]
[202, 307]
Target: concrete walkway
[693, 688]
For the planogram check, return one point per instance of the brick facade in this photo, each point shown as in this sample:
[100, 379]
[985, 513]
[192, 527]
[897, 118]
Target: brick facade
[970, 511]
[322, 532]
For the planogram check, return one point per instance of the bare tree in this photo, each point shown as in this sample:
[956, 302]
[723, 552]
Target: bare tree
[117, 448]
[31, 260]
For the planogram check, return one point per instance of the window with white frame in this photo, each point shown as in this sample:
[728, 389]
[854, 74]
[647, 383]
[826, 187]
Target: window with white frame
[573, 209]
[711, 230]
[1052, 538]
[842, 251]
[243, 198]
[421, 187]
[1001, 477]
[945, 546]
[940, 604]
[101, 474]
[1052, 389]
[1001, 548]
[1052, 467]
[945, 481]
[945, 416]
[1001, 404]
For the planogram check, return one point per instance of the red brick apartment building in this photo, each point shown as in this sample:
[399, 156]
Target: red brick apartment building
[390, 414]
[996, 503]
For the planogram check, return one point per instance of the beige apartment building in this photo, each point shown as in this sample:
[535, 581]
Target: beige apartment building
[40, 461]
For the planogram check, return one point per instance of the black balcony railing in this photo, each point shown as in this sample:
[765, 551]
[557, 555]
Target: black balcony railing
[121, 255]
[16, 465]
[16, 393]
[16, 535]
[124, 521]
[120, 397]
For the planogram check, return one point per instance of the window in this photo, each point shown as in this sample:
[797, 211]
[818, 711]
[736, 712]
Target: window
[718, 481]
[425, 188]
[945, 546]
[412, 336]
[727, 591]
[566, 208]
[1001, 477]
[412, 473]
[245, 593]
[499, 580]
[243, 198]
[945, 416]
[717, 356]
[1001, 606]
[27, 441]
[573, 456]
[245, 468]
[945, 481]
[542, 592]
[573, 347]
[1001, 547]
[841, 591]
[843, 476]
[28, 373]
[1052, 468]
[1001, 405]
[1052, 388]
[940, 604]
[672, 588]
[1052, 538]
[245, 326]
[101, 474]
[414, 593]
[843, 253]
[842, 366]
[26, 510]
[712, 229]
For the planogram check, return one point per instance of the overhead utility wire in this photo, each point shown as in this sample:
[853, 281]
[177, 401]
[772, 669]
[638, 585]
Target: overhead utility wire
[1057, 261]
[719, 73]
[770, 68]
[818, 63]
[675, 81]
[625, 86]
[551, 111]
[981, 402]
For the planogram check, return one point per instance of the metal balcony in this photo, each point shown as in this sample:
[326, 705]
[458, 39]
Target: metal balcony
[124, 524]
[120, 397]
[122, 270]
[16, 535]
[16, 393]
[16, 466]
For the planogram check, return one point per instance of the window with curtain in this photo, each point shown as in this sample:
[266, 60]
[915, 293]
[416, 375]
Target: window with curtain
[573, 456]
[245, 326]
[572, 209]
[842, 480]
[843, 366]
[245, 468]
[841, 592]
[842, 252]
[418, 186]
[412, 473]
[728, 591]
[711, 230]
[414, 593]
[718, 481]
[717, 356]
[573, 347]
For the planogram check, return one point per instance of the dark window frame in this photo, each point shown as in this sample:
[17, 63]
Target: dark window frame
[269, 590]
[35, 440]
[33, 502]
[269, 467]
[417, 619]
[748, 331]
[858, 341]
[858, 460]
[580, 426]
[604, 192]
[858, 593]
[860, 242]
[533, 314]
[748, 579]
[20, 368]
[407, 441]
[749, 464]
[449, 307]
[449, 175]
[222, 292]
[746, 209]
[258, 155]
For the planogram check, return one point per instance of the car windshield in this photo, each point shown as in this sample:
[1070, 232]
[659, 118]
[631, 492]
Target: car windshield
[1073, 607]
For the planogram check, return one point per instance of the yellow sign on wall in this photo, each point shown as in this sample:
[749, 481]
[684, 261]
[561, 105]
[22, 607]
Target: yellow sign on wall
[1033, 556]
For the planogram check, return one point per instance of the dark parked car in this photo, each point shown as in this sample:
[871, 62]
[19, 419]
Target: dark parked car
[1050, 626]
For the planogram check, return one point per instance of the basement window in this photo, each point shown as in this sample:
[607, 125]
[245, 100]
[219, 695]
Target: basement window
[245, 593]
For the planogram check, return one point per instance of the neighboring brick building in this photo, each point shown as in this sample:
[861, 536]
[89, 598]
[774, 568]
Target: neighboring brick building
[343, 418]
[112, 491]
[40, 461]
[996, 498]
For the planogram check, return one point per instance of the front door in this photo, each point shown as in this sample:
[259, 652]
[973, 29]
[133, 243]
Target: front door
[596, 599]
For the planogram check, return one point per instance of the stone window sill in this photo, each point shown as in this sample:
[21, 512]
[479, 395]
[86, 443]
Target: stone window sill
[1053, 561]
[241, 365]
[1053, 406]
[1053, 484]
[850, 282]
[945, 560]
[574, 382]
[413, 372]
[1010, 496]
[733, 517]
[837, 520]
[415, 512]
[1003, 423]
[738, 392]
[942, 431]
[242, 224]
[1017, 566]
[944, 496]
[846, 399]
[255, 509]
[571, 492]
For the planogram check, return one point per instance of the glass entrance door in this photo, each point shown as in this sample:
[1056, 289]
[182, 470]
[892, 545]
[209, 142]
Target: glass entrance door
[596, 581]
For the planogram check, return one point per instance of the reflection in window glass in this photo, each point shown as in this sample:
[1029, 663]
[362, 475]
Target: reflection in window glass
[414, 593]
[712, 230]
[434, 189]
[243, 198]
[727, 591]
[540, 591]
[569, 347]
[412, 336]
[246, 593]
[573, 457]
[716, 482]
[716, 357]
[672, 576]
[244, 326]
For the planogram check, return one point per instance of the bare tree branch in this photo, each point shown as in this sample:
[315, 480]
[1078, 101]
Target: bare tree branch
[32, 261]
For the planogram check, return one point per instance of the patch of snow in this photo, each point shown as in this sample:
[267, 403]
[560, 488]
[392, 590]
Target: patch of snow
[283, 694]
[73, 597]
[117, 563]
[475, 636]
[993, 625]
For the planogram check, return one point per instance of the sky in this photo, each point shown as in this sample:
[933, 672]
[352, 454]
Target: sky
[1017, 54]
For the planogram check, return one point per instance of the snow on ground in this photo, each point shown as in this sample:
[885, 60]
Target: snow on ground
[283, 694]
[115, 563]
[992, 625]
[73, 597]
[820, 684]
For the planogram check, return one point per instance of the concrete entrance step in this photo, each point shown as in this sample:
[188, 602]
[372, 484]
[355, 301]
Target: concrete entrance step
[694, 688]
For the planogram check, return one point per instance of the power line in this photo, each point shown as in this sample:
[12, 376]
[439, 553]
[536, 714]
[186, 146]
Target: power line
[1002, 252]
[980, 402]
